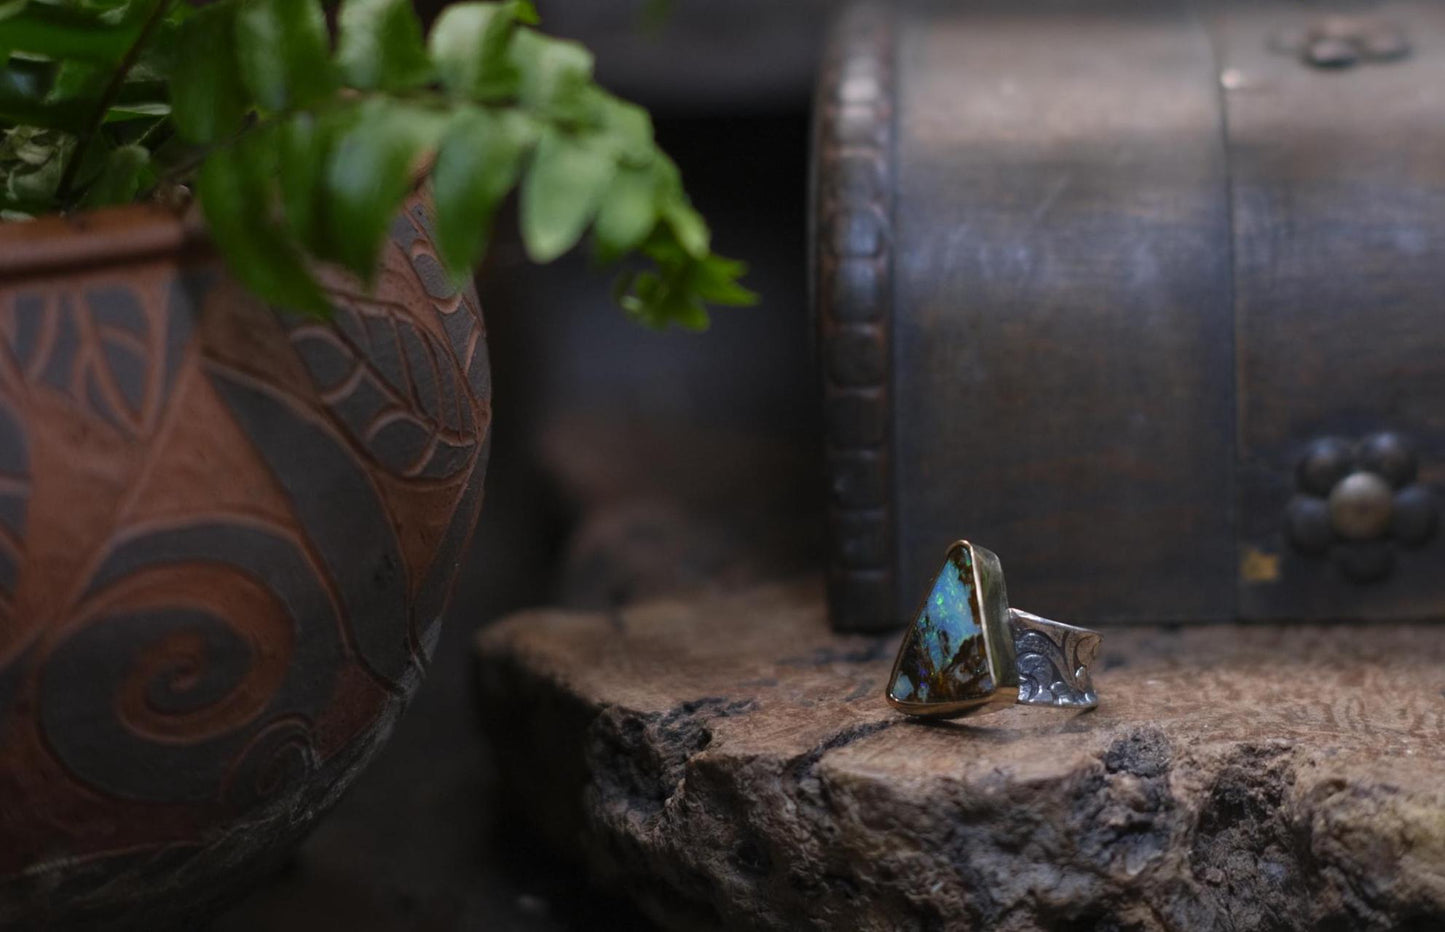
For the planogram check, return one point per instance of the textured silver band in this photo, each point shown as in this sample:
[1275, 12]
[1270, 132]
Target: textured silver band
[1053, 661]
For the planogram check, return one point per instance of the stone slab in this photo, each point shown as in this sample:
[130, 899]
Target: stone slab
[731, 763]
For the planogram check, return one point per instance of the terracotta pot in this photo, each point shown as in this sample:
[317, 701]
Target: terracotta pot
[226, 538]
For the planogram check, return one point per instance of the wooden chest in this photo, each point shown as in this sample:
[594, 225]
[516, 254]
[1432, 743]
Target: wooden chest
[1147, 297]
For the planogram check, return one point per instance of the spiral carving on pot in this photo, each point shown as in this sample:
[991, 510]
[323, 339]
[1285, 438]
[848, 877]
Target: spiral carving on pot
[225, 542]
[1356, 501]
[187, 680]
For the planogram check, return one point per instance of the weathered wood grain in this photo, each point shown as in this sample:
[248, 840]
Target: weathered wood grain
[732, 764]
[1333, 175]
[1090, 280]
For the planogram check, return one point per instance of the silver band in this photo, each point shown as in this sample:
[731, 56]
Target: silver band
[1053, 661]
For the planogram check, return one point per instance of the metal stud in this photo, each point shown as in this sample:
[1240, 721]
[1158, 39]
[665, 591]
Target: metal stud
[1360, 506]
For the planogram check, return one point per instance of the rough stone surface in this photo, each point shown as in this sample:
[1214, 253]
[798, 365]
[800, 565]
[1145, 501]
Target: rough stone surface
[732, 764]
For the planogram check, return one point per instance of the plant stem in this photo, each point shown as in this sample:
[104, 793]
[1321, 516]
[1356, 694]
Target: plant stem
[108, 96]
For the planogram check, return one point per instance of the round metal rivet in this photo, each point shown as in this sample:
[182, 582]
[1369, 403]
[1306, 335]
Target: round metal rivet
[1390, 456]
[1327, 462]
[1360, 506]
[1308, 520]
[1416, 512]
[1332, 53]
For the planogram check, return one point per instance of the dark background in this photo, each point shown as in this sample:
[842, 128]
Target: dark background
[625, 463]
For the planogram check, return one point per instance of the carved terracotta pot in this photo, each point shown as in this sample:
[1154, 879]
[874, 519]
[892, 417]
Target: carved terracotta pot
[226, 538]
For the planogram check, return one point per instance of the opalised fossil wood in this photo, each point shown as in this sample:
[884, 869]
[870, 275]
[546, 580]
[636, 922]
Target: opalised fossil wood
[944, 658]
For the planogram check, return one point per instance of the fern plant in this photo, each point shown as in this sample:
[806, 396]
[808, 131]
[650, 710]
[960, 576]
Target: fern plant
[302, 136]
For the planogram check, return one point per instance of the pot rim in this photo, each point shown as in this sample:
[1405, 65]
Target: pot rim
[106, 236]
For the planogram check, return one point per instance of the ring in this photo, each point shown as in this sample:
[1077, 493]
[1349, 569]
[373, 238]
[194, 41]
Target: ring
[967, 651]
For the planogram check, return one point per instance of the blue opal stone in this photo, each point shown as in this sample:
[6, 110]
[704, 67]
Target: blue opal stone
[943, 658]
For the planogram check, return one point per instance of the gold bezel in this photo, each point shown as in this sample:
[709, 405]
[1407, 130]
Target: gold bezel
[991, 607]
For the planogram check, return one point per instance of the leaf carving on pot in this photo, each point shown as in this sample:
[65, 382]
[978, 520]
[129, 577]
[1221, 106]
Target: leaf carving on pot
[455, 307]
[104, 347]
[339, 510]
[394, 387]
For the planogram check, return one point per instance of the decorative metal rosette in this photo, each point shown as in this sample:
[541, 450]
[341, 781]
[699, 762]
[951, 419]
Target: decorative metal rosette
[1357, 501]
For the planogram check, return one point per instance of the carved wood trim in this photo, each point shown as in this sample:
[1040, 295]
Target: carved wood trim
[852, 243]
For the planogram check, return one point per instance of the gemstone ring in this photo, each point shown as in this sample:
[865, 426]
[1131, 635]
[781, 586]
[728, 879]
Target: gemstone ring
[967, 651]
